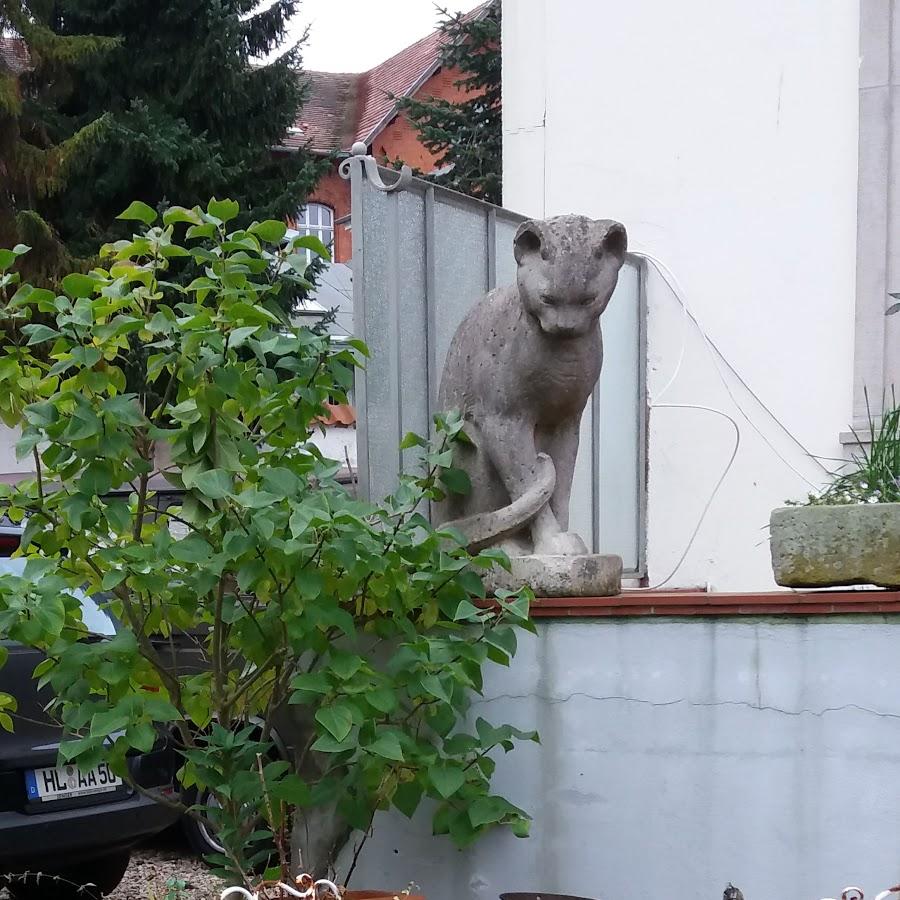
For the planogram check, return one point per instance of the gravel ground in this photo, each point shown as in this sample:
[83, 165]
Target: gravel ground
[151, 867]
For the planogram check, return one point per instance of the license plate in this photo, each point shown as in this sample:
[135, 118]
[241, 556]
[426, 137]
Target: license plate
[66, 782]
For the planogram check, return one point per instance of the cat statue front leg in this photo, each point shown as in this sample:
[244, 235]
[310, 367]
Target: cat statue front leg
[560, 443]
[510, 445]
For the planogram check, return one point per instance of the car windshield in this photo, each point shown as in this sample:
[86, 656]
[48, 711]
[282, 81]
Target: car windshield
[94, 618]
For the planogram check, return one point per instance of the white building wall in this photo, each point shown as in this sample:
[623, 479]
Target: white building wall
[724, 135]
[337, 443]
[9, 465]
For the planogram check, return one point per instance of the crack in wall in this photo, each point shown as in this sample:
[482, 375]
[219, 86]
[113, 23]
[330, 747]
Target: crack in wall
[695, 703]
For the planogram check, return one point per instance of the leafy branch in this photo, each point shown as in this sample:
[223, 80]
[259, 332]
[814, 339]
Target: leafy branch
[333, 646]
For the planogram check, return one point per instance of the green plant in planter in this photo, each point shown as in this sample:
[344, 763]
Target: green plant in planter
[873, 474]
[359, 622]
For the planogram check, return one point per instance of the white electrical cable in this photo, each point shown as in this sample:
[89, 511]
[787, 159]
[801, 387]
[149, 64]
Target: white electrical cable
[712, 496]
[675, 288]
[716, 355]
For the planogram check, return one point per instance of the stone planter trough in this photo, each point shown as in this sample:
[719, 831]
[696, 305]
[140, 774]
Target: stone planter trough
[832, 546]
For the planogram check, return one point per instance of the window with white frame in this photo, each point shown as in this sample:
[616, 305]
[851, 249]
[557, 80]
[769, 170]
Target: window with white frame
[316, 219]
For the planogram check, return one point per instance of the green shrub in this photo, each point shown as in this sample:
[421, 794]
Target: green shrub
[360, 619]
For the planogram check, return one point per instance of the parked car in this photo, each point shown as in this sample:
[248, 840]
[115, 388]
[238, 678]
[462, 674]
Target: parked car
[57, 820]
[101, 859]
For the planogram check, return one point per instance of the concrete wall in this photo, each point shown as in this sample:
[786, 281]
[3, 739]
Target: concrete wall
[677, 756]
[725, 137]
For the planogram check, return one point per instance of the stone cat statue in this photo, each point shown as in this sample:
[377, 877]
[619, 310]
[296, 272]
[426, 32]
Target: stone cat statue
[521, 368]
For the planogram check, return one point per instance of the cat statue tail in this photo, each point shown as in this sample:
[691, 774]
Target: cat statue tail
[485, 529]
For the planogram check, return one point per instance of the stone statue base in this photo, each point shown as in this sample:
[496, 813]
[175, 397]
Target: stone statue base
[588, 575]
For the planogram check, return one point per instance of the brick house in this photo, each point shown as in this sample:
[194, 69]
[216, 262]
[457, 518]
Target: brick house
[341, 108]
[344, 108]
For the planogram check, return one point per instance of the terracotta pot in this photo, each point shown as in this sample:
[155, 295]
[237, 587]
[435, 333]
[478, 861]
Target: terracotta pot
[380, 895]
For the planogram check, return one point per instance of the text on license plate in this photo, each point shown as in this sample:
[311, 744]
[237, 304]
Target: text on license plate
[65, 782]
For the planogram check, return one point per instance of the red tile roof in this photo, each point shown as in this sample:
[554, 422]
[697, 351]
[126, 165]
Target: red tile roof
[327, 120]
[342, 108]
[338, 414]
[400, 75]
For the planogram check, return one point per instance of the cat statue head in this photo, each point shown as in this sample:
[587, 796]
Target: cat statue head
[568, 267]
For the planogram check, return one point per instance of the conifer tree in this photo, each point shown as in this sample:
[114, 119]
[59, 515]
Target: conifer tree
[38, 152]
[466, 135]
[176, 104]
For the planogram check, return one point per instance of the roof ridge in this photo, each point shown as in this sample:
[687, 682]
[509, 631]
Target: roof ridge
[430, 37]
[435, 33]
[332, 122]
[305, 71]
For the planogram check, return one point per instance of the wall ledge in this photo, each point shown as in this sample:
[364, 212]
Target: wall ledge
[701, 603]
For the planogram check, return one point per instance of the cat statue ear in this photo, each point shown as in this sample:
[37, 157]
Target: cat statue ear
[529, 239]
[613, 240]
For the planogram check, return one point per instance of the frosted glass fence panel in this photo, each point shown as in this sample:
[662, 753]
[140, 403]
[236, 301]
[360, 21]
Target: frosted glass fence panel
[422, 255]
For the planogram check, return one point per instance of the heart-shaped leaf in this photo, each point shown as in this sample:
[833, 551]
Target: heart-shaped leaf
[447, 780]
[138, 212]
[336, 720]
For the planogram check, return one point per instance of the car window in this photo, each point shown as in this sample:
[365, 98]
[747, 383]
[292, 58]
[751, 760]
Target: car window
[94, 618]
